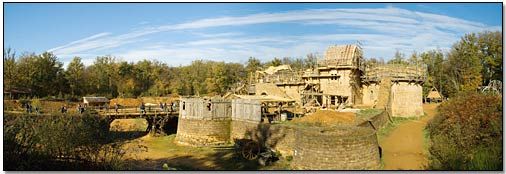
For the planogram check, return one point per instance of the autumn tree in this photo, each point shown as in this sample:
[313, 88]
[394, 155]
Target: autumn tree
[465, 71]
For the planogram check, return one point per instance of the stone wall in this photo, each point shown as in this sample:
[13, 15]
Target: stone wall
[203, 132]
[242, 129]
[384, 93]
[344, 148]
[370, 94]
[203, 122]
[340, 86]
[406, 99]
[377, 121]
[277, 136]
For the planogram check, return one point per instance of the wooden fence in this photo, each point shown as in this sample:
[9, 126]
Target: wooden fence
[246, 110]
[203, 109]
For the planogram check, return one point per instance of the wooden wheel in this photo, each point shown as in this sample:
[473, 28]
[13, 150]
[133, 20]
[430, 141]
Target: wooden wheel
[250, 150]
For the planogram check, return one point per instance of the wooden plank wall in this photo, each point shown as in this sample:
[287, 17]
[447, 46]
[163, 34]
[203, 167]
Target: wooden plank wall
[196, 108]
[246, 110]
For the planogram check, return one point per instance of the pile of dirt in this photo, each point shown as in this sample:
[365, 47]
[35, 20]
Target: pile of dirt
[157, 100]
[328, 118]
[134, 102]
[126, 101]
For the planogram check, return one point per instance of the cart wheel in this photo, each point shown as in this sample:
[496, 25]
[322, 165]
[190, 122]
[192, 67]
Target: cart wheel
[250, 150]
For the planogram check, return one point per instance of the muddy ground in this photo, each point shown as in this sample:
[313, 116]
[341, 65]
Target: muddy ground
[405, 148]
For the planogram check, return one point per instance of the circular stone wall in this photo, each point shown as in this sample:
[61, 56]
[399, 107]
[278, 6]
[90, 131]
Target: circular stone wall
[195, 132]
[336, 148]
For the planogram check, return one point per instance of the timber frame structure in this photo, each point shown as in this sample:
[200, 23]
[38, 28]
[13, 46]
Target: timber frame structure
[342, 79]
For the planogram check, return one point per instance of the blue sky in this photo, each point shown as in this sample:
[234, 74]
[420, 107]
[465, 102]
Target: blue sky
[179, 33]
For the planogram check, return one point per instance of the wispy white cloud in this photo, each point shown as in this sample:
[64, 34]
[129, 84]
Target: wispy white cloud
[382, 31]
[80, 41]
[227, 34]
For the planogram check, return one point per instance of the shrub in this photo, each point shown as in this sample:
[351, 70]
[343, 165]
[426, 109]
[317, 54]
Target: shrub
[59, 142]
[467, 134]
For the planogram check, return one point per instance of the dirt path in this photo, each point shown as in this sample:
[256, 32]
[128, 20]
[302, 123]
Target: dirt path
[404, 148]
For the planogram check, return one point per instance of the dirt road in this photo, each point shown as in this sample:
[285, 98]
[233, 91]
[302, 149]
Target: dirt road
[404, 148]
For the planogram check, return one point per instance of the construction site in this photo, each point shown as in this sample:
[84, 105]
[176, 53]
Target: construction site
[342, 80]
[315, 116]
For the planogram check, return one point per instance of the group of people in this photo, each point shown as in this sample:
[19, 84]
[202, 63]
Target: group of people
[80, 108]
[163, 106]
[29, 107]
[63, 109]
[169, 108]
[265, 111]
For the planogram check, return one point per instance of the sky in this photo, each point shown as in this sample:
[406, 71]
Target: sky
[178, 33]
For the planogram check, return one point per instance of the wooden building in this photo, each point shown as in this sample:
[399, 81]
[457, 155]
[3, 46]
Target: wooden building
[95, 101]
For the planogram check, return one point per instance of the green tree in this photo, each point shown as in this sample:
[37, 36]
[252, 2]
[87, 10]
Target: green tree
[274, 62]
[490, 51]
[43, 74]
[311, 60]
[414, 59]
[10, 69]
[434, 59]
[75, 76]
[464, 65]
[399, 58]
[104, 73]
[253, 65]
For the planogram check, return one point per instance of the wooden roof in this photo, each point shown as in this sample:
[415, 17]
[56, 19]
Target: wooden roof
[273, 69]
[95, 100]
[341, 52]
[263, 98]
[433, 93]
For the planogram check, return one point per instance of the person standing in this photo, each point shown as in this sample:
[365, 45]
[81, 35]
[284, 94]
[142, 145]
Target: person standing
[116, 107]
[30, 108]
[143, 108]
[26, 107]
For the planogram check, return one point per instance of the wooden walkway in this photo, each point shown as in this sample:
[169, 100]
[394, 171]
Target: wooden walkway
[131, 115]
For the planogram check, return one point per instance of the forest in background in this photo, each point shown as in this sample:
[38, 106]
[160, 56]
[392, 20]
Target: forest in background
[472, 62]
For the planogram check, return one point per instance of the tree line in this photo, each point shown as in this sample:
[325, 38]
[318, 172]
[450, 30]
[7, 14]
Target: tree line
[44, 76]
[471, 62]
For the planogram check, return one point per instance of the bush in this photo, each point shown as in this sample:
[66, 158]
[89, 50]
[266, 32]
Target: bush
[59, 142]
[467, 134]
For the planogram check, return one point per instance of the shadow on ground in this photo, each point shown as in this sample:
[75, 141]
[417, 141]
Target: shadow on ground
[223, 158]
[126, 135]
